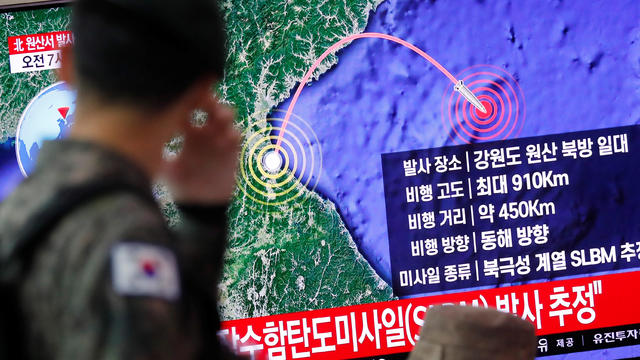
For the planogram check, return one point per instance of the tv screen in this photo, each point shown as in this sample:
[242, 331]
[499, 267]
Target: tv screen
[401, 154]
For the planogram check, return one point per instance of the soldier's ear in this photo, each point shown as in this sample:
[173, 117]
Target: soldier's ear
[66, 72]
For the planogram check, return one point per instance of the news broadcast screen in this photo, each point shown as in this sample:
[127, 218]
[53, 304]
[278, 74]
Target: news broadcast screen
[400, 154]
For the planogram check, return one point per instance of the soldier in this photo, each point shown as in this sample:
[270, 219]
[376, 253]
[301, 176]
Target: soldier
[98, 273]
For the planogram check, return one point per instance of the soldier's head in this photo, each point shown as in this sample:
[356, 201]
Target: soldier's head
[142, 53]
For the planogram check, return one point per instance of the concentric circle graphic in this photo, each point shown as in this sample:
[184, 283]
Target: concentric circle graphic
[272, 175]
[501, 96]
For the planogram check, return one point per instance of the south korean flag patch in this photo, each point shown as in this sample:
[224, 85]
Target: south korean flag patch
[139, 269]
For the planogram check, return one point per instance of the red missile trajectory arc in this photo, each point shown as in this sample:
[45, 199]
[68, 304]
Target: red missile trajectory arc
[460, 87]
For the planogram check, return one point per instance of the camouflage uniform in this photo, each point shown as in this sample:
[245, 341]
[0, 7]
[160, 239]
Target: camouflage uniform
[73, 308]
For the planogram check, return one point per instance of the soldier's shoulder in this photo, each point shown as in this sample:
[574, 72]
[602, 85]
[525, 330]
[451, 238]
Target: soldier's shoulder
[83, 244]
[110, 247]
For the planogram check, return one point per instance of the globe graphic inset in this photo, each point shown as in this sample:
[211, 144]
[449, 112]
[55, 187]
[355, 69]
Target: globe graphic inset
[47, 117]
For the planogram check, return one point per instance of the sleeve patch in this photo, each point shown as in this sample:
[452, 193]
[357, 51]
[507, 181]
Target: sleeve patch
[139, 269]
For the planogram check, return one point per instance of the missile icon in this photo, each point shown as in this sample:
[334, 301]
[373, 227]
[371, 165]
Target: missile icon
[470, 96]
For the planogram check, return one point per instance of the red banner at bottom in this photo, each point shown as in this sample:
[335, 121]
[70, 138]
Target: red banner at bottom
[393, 326]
